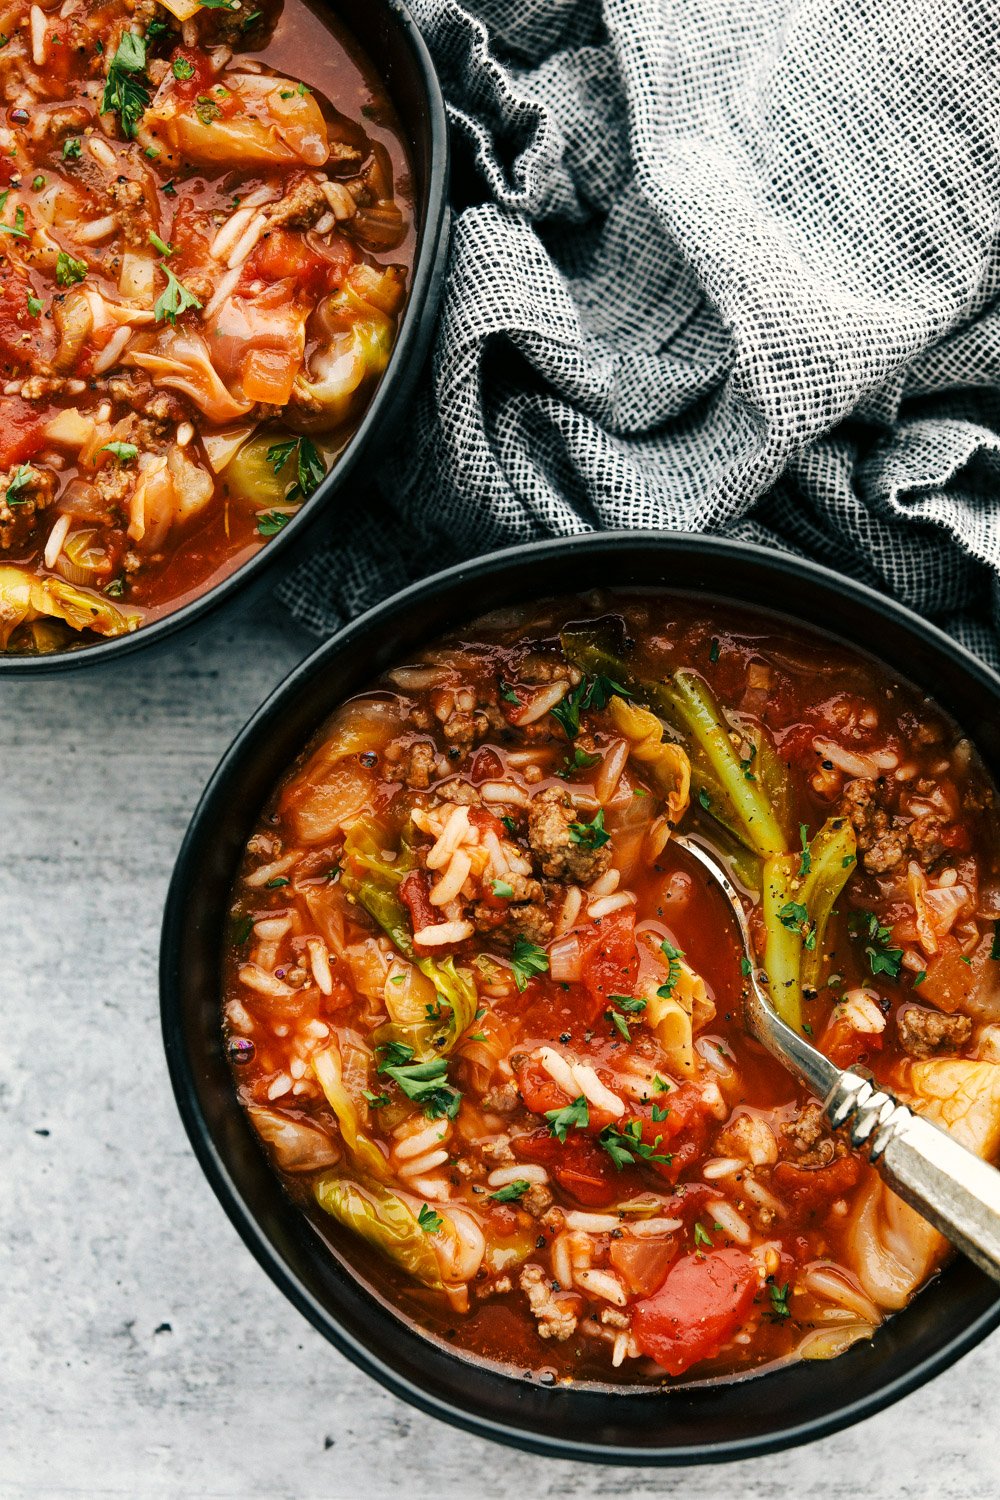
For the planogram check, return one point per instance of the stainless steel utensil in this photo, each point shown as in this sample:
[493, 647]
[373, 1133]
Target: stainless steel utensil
[955, 1190]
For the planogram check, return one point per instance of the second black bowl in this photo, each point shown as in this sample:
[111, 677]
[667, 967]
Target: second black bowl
[696, 1423]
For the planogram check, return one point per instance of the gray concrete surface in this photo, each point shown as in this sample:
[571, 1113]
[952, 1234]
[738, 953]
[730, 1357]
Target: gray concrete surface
[142, 1351]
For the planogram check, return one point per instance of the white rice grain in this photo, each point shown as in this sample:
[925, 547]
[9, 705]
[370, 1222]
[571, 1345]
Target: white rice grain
[602, 1284]
[607, 904]
[319, 962]
[57, 536]
[522, 1172]
[443, 934]
[594, 1091]
[733, 1224]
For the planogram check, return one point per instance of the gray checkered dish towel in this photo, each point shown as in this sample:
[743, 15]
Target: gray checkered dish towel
[734, 268]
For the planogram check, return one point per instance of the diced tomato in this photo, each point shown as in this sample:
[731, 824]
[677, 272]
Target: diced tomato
[817, 1187]
[21, 432]
[642, 1264]
[579, 1167]
[485, 766]
[700, 1305]
[610, 961]
[540, 1093]
[415, 892]
[202, 77]
[284, 253]
[681, 1135]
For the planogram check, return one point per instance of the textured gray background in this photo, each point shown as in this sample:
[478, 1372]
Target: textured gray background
[142, 1352]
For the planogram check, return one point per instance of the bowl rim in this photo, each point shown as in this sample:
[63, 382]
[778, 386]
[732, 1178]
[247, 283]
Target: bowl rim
[211, 1159]
[426, 278]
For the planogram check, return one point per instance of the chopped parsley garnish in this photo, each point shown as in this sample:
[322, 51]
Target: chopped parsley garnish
[174, 299]
[510, 824]
[158, 244]
[746, 967]
[116, 587]
[206, 109]
[38, 183]
[124, 452]
[620, 1024]
[309, 466]
[660, 1113]
[35, 305]
[508, 694]
[125, 91]
[181, 68]
[847, 861]
[527, 960]
[581, 761]
[270, 522]
[16, 229]
[503, 889]
[512, 1192]
[375, 1101]
[748, 760]
[589, 692]
[701, 1235]
[169, 188]
[71, 148]
[704, 799]
[713, 650]
[805, 861]
[242, 928]
[575, 1115]
[277, 882]
[425, 1083]
[630, 1003]
[592, 835]
[673, 956]
[429, 1221]
[919, 978]
[22, 476]
[779, 1300]
[995, 945]
[627, 1146]
[881, 958]
[795, 917]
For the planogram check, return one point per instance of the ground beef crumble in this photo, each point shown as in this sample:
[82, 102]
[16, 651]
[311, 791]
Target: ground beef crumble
[922, 1032]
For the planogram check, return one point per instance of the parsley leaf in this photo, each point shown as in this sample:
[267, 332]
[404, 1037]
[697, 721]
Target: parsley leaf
[527, 959]
[620, 1024]
[35, 305]
[174, 299]
[795, 917]
[805, 861]
[158, 244]
[71, 148]
[592, 835]
[746, 967]
[270, 522]
[503, 889]
[125, 91]
[425, 1083]
[673, 956]
[627, 1146]
[630, 1003]
[309, 466]
[429, 1221]
[779, 1300]
[701, 1235]
[563, 1120]
[511, 1192]
[589, 692]
[375, 1101]
[16, 229]
[68, 270]
[242, 928]
[22, 476]
[660, 1114]
[124, 452]
[881, 958]
[182, 68]
[206, 109]
[995, 945]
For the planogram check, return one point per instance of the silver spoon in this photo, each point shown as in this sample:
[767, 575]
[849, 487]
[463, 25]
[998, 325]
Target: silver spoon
[950, 1186]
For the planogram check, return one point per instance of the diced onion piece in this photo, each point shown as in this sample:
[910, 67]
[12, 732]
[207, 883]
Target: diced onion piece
[566, 959]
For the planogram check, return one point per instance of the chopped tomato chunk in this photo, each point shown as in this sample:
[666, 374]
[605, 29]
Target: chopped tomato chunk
[700, 1305]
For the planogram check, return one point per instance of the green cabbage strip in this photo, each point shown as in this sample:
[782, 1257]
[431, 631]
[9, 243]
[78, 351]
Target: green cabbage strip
[730, 791]
[457, 1002]
[797, 910]
[385, 1221]
[360, 1147]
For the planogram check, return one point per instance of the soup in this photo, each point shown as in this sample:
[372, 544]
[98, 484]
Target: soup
[485, 1014]
[205, 241]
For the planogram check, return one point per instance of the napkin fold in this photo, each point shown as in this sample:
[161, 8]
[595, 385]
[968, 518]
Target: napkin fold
[717, 265]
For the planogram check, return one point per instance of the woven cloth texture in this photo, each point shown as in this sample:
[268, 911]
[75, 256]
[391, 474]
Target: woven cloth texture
[727, 266]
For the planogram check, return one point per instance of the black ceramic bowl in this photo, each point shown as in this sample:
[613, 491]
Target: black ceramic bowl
[691, 1424]
[396, 50]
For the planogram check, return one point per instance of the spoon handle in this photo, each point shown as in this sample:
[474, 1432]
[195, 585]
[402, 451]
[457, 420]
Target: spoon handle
[950, 1186]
